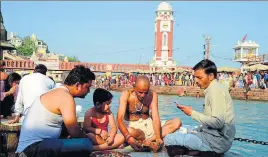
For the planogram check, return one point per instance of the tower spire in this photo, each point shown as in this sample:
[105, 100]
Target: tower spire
[1, 17]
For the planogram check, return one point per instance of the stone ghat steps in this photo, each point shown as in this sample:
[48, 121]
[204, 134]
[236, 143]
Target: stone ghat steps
[236, 93]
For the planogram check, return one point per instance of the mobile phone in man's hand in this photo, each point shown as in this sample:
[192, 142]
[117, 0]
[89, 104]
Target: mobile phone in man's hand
[178, 105]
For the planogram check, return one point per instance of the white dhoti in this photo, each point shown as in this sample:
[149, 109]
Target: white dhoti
[145, 125]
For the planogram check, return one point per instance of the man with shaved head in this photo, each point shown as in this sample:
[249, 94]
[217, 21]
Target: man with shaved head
[134, 121]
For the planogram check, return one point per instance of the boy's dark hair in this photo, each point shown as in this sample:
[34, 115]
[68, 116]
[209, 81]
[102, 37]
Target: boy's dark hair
[101, 95]
[79, 74]
[40, 68]
[208, 66]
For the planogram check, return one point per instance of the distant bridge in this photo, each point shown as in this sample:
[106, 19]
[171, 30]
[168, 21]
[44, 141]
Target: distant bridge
[67, 66]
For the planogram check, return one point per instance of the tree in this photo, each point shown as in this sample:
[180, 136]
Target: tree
[28, 47]
[73, 59]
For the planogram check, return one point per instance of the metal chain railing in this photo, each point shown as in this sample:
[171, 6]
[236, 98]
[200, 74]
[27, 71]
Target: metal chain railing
[250, 141]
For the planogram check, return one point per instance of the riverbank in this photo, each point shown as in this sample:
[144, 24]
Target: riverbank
[236, 93]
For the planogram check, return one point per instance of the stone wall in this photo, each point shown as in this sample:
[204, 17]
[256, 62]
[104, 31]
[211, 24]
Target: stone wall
[253, 94]
[236, 93]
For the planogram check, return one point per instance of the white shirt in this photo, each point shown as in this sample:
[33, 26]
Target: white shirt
[30, 87]
[58, 85]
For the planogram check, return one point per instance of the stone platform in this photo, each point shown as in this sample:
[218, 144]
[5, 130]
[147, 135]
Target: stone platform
[10, 134]
[10, 137]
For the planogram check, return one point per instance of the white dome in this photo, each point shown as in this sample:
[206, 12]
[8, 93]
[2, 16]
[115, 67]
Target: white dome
[164, 6]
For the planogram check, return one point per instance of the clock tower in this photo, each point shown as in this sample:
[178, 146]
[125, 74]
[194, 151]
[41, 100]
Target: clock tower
[163, 38]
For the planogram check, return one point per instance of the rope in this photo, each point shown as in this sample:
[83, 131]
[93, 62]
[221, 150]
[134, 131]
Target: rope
[250, 141]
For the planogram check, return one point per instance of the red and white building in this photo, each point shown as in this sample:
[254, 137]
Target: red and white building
[163, 38]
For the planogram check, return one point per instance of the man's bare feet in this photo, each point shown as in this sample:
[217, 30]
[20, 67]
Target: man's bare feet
[146, 143]
[153, 146]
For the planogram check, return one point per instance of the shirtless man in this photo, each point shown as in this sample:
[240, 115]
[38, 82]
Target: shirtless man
[133, 118]
[41, 127]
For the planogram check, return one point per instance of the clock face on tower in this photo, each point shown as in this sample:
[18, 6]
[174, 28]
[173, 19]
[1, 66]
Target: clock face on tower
[165, 26]
[165, 17]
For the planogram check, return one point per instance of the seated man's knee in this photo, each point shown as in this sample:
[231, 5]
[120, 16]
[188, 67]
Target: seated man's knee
[189, 141]
[193, 142]
[173, 139]
[168, 140]
[136, 133]
[91, 134]
[92, 137]
[176, 123]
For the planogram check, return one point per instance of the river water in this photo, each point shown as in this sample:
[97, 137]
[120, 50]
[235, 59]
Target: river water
[251, 120]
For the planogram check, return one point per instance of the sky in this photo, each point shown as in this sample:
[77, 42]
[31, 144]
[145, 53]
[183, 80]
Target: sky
[123, 32]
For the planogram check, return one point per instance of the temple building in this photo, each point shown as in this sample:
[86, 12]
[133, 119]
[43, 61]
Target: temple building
[42, 47]
[246, 52]
[15, 39]
[5, 46]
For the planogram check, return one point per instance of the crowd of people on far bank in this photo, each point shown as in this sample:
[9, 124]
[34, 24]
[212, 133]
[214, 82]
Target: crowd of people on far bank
[45, 109]
[252, 80]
